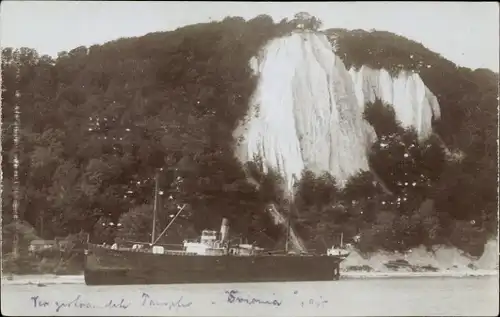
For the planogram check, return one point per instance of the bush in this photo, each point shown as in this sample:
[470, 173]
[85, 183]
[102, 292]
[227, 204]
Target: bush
[99, 122]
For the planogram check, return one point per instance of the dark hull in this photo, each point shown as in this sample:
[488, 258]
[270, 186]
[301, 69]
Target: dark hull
[117, 267]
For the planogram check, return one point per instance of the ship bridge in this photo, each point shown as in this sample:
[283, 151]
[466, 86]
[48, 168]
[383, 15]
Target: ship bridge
[207, 245]
[208, 237]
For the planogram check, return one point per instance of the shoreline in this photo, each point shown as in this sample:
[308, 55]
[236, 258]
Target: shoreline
[457, 274]
[52, 279]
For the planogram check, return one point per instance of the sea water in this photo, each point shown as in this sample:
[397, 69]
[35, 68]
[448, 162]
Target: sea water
[421, 296]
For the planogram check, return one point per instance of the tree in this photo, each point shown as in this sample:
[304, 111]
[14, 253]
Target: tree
[383, 118]
[466, 189]
[304, 20]
[99, 121]
[321, 217]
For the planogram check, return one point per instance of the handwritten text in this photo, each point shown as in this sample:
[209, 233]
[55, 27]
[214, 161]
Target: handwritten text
[175, 303]
[233, 297]
[77, 302]
[171, 304]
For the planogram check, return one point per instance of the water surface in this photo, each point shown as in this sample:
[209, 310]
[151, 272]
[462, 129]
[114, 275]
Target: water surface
[436, 296]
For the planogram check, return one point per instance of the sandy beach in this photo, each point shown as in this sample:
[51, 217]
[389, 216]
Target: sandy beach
[419, 274]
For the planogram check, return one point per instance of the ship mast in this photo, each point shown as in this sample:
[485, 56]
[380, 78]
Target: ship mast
[153, 233]
[170, 223]
[290, 202]
[288, 224]
[287, 241]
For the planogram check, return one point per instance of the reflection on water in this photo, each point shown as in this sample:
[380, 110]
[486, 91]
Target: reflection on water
[467, 296]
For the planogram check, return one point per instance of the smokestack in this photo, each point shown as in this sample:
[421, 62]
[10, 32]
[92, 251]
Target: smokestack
[224, 230]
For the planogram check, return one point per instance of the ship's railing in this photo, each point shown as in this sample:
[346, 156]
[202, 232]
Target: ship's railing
[142, 244]
[176, 252]
[143, 250]
[235, 253]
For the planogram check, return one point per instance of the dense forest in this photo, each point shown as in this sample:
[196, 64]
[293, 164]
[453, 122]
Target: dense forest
[98, 123]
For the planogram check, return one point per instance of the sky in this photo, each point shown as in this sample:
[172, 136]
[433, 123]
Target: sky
[466, 33]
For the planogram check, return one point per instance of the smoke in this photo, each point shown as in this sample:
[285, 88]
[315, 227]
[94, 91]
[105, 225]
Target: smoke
[442, 258]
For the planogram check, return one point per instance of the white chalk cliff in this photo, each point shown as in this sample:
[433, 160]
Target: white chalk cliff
[414, 104]
[307, 109]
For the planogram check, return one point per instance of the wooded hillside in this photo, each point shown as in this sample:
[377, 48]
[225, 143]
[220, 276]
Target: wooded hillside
[97, 123]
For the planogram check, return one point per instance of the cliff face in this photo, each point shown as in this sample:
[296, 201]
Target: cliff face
[307, 110]
[110, 115]
[414, 104]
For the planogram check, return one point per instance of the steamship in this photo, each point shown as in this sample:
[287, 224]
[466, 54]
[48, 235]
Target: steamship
[210, 259]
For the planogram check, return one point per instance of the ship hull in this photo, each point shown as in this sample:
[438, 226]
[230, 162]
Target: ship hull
[118, 267]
